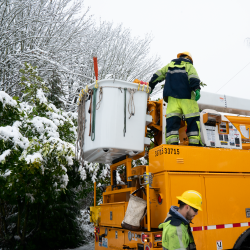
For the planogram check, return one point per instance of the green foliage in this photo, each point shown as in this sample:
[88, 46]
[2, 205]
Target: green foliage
[66, 133]
[203, 84]
[31, 83]
[59, 228]
[55, 90]
[38, 174]
[8, 115]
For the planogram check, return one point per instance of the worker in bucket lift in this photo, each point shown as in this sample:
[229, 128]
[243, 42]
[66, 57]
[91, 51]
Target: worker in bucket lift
[176, 227]
[181, 91]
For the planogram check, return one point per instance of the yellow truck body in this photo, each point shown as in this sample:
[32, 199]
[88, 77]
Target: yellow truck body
[221, 175]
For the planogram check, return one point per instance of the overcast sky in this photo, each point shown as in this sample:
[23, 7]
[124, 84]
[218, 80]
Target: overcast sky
[215, 33]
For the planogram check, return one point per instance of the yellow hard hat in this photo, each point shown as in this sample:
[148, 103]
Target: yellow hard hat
[188, 54]
[191, 198]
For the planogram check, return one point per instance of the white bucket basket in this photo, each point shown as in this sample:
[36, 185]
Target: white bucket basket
[117, 132]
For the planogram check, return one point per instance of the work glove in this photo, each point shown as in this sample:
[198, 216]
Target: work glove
[197, 94]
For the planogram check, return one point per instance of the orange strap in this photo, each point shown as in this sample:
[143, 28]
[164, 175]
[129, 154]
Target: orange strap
[95, 67]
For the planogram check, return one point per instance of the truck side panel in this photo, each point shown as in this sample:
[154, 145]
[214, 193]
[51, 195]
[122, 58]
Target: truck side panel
[225, 197]
[180, 182]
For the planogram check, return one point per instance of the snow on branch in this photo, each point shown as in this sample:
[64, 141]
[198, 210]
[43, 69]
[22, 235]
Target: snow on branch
[61, 38]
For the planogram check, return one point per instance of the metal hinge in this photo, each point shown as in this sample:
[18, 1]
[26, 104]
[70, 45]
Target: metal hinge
[147, 179]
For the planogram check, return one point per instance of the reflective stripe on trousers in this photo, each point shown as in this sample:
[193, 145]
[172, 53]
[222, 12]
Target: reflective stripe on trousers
[172, 140]
[193, 141]
[172, 133]
[192, 133]
[192, 115]
[173, 114]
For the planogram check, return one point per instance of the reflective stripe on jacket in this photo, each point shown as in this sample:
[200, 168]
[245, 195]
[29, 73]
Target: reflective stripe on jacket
[176, 233]
[176, 237]
[181, 79]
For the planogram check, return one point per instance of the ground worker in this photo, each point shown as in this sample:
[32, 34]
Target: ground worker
[176, 229]
[181, 91]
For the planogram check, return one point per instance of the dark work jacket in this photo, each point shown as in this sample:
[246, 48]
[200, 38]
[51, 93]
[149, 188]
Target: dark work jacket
[180, 77]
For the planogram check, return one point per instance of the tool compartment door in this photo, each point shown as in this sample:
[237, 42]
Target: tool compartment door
[179, 183]
[227, 198]
[116, 238]
[112, 214]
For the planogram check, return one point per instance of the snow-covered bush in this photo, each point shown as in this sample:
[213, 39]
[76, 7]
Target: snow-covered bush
[36, 153]
[84, 218]
[38, 142]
